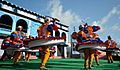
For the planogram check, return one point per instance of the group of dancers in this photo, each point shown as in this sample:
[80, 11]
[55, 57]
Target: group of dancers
[87, 36]
[17, 40]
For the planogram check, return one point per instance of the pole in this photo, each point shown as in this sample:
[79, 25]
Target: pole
[74, 28]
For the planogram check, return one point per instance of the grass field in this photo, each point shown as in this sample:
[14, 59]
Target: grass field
[57, 64]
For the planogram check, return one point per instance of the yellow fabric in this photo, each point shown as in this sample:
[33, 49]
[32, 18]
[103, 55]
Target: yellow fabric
[17, 57]
[40, 29]
[109, 57]
[17, 37]
[88, 55]
[109, 54]
[82, 33]
[96, 59]
[28, 55]
[18, 54]
[46, 51]
[22, 33]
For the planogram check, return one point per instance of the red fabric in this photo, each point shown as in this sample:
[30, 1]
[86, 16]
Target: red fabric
[55, 27]
[97, 52]
[98, 27]
[113, 44]
[90, 43]
[3, 46]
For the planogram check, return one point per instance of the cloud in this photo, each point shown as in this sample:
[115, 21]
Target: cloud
[118, 42]
[70, 18]
[67, 17]
[103, 21]
[109, 15]
[116, 27]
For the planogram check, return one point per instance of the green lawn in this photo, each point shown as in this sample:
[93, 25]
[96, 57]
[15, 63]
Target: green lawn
[57, 64]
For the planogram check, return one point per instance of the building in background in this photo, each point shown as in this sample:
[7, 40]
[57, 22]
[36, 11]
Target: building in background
[12, 16]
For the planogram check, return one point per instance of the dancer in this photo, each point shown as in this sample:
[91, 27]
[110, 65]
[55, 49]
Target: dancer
[5, 44]
[45, 31]
[110, 44]
[17, 42]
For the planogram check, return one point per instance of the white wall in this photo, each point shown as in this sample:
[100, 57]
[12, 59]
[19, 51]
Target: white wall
[1, 51]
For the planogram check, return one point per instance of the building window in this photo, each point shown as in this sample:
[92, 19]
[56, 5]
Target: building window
[57, 34]
[6, 22]
[63, 35]
[23, 23]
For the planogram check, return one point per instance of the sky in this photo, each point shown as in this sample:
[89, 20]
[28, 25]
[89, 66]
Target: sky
[104, 13]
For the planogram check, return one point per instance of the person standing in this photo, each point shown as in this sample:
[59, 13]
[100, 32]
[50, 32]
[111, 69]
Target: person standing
[44, 31]
[110, 44]
[27, 53]
[88, 52]
[96, 57]
[17, 42]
